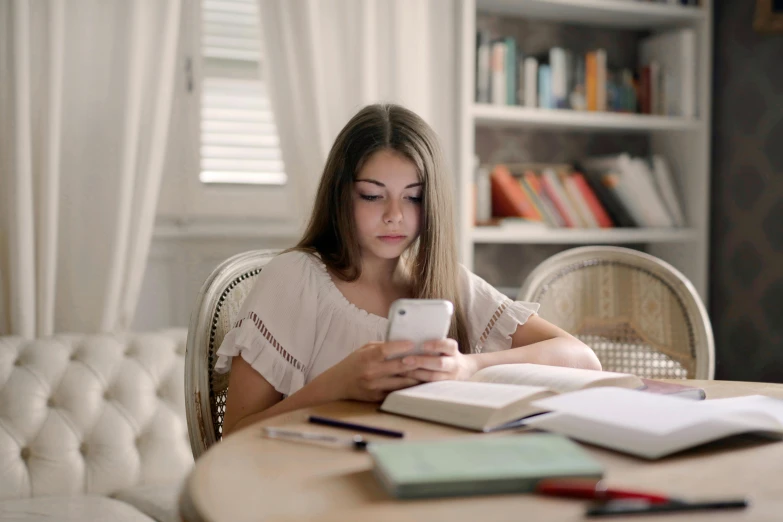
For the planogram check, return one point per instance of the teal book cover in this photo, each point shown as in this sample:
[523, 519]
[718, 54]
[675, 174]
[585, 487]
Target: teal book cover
[478, 466]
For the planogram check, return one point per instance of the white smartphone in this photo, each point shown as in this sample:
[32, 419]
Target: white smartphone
[419, 320]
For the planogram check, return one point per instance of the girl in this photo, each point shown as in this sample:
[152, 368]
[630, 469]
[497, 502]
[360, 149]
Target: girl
[312, 328]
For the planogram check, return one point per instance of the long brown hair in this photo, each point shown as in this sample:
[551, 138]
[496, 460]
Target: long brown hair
[431, 261]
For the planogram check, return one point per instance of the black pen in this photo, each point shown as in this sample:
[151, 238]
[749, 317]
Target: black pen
[636, 507]
[315, 419]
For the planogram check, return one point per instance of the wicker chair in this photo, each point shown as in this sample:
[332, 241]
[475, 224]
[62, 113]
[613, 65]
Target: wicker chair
[639, 314]
[217, 306]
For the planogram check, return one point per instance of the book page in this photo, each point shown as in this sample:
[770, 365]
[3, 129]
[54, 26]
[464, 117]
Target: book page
[472, 393]
[748, 405]
[555, 378]
[652, 425]
[642, 412]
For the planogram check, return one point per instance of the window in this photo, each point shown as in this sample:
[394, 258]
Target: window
[239, 142]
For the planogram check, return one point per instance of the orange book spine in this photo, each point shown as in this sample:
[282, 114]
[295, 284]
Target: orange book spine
[591, 81]
[593, 203]
[508, 198]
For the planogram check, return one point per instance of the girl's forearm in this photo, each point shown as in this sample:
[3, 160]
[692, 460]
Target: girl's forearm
[312, 394]
[559, 351]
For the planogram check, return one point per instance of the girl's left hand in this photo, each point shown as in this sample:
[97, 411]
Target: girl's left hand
[441, 361]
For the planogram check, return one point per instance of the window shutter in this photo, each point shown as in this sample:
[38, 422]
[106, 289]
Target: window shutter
[239, 142]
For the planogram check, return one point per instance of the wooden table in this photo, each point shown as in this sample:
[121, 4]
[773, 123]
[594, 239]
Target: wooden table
[249, 477]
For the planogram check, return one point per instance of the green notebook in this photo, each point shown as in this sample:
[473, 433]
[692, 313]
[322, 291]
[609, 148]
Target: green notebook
[478, 466]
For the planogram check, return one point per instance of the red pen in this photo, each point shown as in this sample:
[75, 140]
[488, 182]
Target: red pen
[595, 490]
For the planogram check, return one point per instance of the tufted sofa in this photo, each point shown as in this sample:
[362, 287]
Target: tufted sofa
[92, 427]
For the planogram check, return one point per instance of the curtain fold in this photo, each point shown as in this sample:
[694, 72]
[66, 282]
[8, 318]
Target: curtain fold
[85, 106]
[324, 60]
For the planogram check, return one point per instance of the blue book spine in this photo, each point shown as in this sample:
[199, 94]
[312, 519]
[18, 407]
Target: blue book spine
[545, 87]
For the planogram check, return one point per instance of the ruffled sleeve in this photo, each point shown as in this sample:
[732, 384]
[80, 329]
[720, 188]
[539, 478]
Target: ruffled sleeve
[492, 317]
[275, 328]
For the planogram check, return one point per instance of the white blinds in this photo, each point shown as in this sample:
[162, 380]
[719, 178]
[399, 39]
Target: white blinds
[239, 142]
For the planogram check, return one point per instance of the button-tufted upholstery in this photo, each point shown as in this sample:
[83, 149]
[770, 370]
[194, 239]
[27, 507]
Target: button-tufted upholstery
[92, 414]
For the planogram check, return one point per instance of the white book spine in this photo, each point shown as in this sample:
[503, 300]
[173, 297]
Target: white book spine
[665, 183]
[579, 202]
[557, 59]
[498, 73]
[560, 194]
[689, 64]
[531, 82]
[648, 196]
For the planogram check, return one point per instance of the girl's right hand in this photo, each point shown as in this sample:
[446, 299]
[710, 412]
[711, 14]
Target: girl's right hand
[369, 375]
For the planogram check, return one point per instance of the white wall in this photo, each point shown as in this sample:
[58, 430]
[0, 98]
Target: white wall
[180, 260]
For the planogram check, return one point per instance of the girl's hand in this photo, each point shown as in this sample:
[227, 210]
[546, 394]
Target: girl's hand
[367, 375]
[443, 361]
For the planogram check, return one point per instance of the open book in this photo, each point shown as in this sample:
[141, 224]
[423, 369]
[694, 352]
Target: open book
[652, 426]
[498, 396]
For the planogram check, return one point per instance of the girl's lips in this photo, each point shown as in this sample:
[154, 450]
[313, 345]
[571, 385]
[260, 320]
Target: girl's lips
[391, 239]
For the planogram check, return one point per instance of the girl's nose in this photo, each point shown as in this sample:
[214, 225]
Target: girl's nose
[393, 213]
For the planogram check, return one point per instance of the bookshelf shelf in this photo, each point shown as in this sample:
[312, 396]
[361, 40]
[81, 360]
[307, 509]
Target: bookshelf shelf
[621, 14]
[512, 235]
[682, 142]
[514, 116]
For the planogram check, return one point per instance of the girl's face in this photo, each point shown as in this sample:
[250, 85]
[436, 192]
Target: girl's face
[387, 205]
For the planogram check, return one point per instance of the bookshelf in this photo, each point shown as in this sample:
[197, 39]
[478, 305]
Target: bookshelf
[626, 14]
[684, 142]
[580, 236]
[566, 119]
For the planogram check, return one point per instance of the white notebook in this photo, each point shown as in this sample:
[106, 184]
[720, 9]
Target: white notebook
[653, 426]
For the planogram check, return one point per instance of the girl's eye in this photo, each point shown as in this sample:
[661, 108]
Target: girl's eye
[415, 199]
[368, 197]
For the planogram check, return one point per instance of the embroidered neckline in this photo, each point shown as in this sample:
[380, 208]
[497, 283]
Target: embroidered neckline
[328, 284]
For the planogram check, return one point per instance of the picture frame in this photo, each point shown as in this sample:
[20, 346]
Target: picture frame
[769, 16]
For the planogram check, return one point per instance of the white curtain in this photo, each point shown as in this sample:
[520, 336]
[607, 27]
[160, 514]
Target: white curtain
[325, 59]
[85, 103]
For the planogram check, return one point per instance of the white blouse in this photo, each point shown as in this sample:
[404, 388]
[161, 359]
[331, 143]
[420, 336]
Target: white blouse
[295, 323]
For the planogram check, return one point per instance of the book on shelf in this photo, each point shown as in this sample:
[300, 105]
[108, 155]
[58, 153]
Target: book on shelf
[498, 73]
[483, 68]
[671, 58]
[653, 426]
[531, 82]
[499, 397]
[601, 192]
[645, 195]
[479, 466]
[664, 83]
[509, 198]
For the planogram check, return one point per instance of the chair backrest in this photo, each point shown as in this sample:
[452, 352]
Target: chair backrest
[215, 312]
[638, 313]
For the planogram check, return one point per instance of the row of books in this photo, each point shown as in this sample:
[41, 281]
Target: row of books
[672, 2]
[561, 79]
[601, 192]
